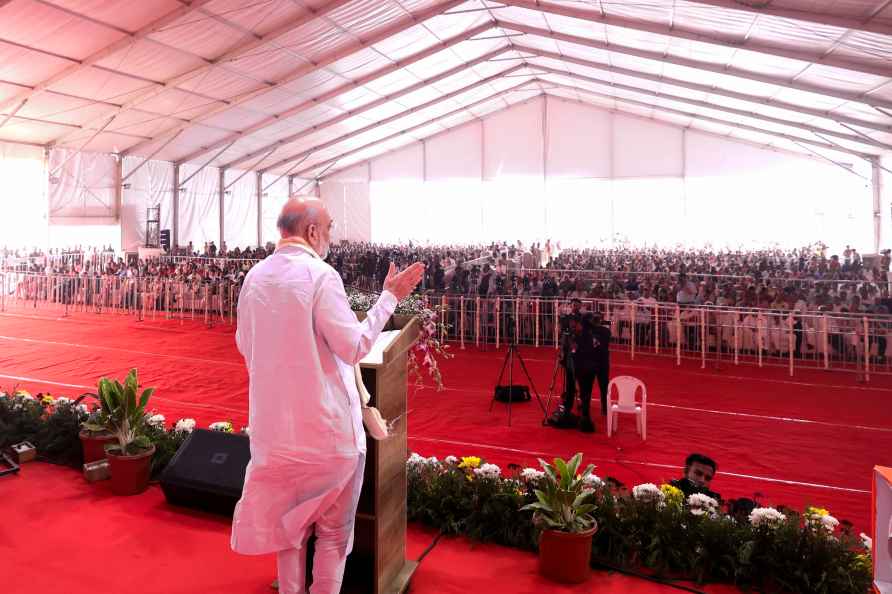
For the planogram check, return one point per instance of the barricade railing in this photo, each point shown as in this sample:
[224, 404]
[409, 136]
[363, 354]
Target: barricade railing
[98, 261]
[713, 336]
[143, 297]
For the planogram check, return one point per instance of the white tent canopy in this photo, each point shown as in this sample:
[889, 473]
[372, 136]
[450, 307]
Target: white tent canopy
[308, 88]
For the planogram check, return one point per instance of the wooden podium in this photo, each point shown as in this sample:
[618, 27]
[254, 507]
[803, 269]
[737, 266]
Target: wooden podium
[882, 530]
[378, 562]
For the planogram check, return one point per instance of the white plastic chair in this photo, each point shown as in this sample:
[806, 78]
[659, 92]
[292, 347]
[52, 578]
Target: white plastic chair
[626, 402]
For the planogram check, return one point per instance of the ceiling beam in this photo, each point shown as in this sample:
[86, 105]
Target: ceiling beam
[368, 106]
[697, 64]
[588, 103]
[99, 55]
[715, 120]
[720, 40]
[463, 109]
[865, 140]
[767, 9]
[227, 56]
[710, 89]
[391, 119]
[345, 88]
[398, 27]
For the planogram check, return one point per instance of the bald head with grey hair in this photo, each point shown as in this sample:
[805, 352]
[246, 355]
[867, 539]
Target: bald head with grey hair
[306, 217]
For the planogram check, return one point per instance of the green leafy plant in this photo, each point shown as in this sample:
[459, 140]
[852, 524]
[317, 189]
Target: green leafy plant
[125, 412]
[563, 502]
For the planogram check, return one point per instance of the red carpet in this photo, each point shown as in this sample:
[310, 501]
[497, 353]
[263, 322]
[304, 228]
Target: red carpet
[810, 439]
[66, 535]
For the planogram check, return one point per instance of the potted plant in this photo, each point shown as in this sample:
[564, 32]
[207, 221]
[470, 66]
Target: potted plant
[94, 436]
[130, 459]
[563, 513]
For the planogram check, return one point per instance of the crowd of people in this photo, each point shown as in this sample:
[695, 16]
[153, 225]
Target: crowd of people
[804, 279]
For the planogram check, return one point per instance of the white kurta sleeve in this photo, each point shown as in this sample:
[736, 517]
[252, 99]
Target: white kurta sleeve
[350, 339]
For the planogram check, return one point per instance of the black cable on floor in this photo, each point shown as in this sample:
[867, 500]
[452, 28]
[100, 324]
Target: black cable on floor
[650, 578]
[430, 547]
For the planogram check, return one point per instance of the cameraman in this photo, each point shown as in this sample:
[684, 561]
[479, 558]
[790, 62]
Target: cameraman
[589, 358]
[592, 360]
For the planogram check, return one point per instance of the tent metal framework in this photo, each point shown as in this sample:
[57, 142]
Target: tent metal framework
[307, 88]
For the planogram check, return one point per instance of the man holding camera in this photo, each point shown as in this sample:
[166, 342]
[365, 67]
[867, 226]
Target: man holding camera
[588, 343]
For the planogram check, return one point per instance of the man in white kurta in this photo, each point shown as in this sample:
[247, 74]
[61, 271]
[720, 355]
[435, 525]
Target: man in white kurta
[300, 341]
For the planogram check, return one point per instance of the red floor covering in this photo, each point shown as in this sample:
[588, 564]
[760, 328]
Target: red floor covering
[810, 439]
[68, 536]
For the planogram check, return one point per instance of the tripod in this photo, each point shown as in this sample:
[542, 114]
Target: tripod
[508, 364]
[567, 380]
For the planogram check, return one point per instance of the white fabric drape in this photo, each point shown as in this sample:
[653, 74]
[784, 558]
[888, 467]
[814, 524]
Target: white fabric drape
[240, 210]
[274, 198]
[199, 206]
[81, 185]
[151, 185]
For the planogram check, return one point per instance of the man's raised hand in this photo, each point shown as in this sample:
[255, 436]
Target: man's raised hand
[402, 283]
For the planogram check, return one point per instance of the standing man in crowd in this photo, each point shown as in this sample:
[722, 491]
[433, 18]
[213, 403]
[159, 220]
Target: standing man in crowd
[300, 341]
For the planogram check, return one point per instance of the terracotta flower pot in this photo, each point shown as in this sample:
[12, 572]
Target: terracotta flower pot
[565, 556]
[93, 445]
[130, 474]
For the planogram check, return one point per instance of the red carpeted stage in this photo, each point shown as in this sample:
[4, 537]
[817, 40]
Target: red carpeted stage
[811, 439]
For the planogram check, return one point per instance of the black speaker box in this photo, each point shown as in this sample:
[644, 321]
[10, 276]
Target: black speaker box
[208, 471]
[512, 393]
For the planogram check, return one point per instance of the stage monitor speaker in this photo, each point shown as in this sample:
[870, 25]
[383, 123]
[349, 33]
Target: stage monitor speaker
[208, 471]
[512, 394]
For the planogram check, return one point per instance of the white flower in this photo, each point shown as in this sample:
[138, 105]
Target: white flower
[3, 395]
[185, 425]
[415, 460]
[592, 481]
[701, 504]
[432, 461]
[490, 471]
[532, 475]
[648, 492]
[766, 516]
[224, 426]
[867, 542]
[451, 460]
[156, 421]
[62, 400]
[246, 430]
[83, 409]
[829, 523]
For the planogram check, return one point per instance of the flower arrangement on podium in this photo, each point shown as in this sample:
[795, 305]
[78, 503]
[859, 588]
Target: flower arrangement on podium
[428, 349]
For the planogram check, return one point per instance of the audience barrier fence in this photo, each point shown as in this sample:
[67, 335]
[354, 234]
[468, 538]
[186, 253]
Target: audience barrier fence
[712, 336]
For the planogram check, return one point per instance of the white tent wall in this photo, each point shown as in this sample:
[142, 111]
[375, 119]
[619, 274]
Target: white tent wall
[149, 186]
[347, 197]
[23, 196]
[82, 202]
[552, 167]
[885, 205]
[240, 210]
[275, 195]
[82, 186]
[199, 206]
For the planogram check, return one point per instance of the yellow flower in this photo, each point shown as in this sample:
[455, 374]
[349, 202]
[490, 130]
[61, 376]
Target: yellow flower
[817, 511]
[48, 399]
[22, 393]
[674, 495]
[469, 462]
